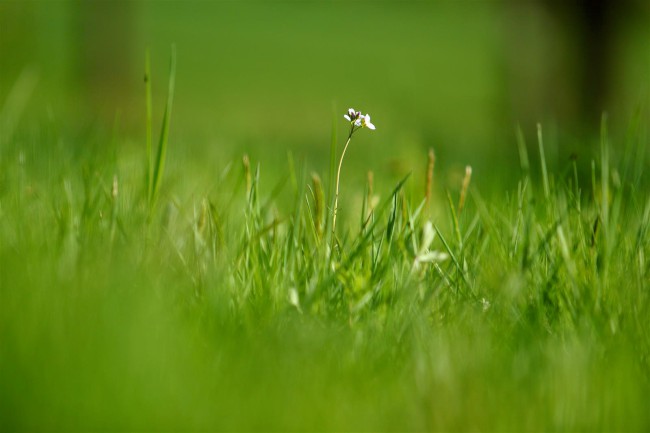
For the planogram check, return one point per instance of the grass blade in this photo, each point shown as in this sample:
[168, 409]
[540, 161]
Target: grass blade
[542, 157]
[147, 85]
[164, 134]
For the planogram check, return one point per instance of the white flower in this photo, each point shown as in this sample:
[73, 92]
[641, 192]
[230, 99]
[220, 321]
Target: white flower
[353, 116]
[365, 122]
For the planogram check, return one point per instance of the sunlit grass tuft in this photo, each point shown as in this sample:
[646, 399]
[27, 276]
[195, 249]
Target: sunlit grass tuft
[228, 308]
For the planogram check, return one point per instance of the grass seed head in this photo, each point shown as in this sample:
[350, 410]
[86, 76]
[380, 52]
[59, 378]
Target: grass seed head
[465, 187]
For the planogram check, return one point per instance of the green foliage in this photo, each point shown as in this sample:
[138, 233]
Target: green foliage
[156, 168]
[229, 310]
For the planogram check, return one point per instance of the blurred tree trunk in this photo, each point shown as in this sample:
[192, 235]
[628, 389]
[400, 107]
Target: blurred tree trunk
[593, 25]
[103, 37]
[563, 58]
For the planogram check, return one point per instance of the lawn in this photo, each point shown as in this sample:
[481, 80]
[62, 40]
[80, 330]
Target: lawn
[151, 280]
[231, 304]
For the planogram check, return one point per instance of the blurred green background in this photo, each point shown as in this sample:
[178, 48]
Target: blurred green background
[263, 77]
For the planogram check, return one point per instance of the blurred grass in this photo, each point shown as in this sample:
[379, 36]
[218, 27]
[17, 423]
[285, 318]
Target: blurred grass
[185, 322]
[430, 73]
[262, 77]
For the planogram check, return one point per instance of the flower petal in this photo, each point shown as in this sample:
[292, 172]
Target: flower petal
[366, 122]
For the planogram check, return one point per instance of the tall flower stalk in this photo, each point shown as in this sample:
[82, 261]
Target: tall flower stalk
[357, 121]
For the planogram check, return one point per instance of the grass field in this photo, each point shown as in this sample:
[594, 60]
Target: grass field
[168, 253]
[142, 297]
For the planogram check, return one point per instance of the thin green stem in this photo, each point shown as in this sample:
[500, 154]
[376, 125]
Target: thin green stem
[547, 189]
[338, 177]
[147, 81]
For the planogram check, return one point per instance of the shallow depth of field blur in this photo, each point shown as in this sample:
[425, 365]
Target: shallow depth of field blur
[109, 322]
[264, 77]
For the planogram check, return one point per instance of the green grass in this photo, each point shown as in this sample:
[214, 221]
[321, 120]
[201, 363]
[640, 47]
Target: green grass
[130, 300]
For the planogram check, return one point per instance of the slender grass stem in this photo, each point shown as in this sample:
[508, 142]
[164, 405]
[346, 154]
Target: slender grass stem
[148, 103]
[542, 156]
[159, 167]
[338, 178]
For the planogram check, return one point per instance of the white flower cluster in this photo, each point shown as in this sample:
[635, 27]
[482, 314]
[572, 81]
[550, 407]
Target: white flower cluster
[359, 120]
